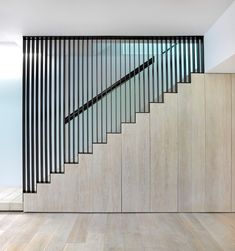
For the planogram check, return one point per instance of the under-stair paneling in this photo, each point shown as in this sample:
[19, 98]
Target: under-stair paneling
[218, 142]
[233, 142]
[191, 147]
[164, 159]
[106, 175]
[136, 165]
[94, 185]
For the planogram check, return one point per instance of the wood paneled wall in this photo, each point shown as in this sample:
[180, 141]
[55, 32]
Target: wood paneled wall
[177, 158]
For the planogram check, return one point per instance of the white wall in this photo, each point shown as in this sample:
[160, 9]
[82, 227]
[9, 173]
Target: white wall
[10, 115]
[220, 43]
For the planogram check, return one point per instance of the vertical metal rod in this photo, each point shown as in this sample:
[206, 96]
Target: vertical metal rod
[32, 117]
[193, 54]
[87, 93]
[130, 81]
[202, 55]
[185, 60]
[101, 85]
[134, 81]
[28, 118]
[73, 91]
[59, 104]
[157, 71]
[69, 96]
[46, 110]
[125, 82]
[189, 59]
[106, 83]
[92, 93]
[37, 109]
[55, 105]
[153, 79]
[78, 93]
[111, 94]
[162, 71]
[171, 64]
[198, 53]
[148, 75]
[64, 98]
[166, 62]
[176, 66]
[120, 55]
[83, 136]
[50, 106]
[144, 77]
[116, 104]
[180, 58]
[139, 74]
[97, 91]
[42, 99]
[24, 107]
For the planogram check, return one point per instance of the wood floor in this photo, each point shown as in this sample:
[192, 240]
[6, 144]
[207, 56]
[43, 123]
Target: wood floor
[11, 199]
[116, 232]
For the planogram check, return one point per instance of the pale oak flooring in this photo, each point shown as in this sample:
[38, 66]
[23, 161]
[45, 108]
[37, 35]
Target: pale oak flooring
[11, 199]
[116, 232]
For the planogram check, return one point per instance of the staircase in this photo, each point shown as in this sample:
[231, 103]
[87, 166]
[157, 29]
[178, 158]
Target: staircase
[92, 107]
[162, 163]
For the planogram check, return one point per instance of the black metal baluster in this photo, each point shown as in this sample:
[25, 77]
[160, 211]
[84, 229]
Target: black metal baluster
[97, 91]
[130, 81]
[59, 105]
[28, 118]
[73, 98]
[64, 100]
[92, 95]
[134, 81]
[24, 107]
[162, 71]
[153, 78]
[37, 109]
[139, 75]
[148, 75]
[189, 59]
[87, 95]
[101, 86]
[32, 117]
[78, 94]
[157, 71]
[55, 105]
[50, 106]
[46, 111]
[111, 94]
[198, 56]
[176, 66]
[106, 85]
[171, 64]
[120, 55]
[166, 65]
[116, 104]
[202, 56]
[144, 78]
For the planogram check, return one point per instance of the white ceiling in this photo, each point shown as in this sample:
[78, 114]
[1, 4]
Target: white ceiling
[107, 17]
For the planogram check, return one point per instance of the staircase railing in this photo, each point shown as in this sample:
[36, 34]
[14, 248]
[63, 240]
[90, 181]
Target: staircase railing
[78, 89]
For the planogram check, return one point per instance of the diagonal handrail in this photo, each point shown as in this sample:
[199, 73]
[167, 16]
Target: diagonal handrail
[108, 90]
[124, 79]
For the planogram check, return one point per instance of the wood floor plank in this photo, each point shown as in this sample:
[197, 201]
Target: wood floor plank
[116, 232]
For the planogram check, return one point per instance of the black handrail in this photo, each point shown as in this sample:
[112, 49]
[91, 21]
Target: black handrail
[108, 90]
[124, 79]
